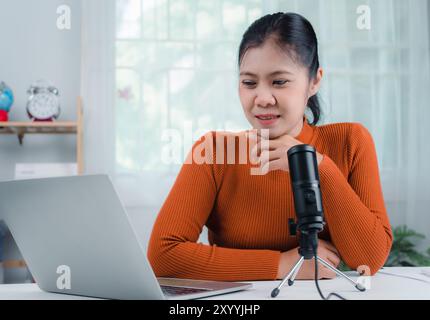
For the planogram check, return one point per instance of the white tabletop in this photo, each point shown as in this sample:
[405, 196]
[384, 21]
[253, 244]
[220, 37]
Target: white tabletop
[387, 284]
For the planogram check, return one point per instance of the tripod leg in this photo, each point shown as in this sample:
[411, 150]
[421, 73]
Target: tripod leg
[275, 291]
[356, 284]
[294, 275]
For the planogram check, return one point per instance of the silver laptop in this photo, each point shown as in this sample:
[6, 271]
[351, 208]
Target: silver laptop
[76, 238]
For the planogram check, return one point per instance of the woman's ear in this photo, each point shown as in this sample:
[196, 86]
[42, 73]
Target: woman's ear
[315, 83]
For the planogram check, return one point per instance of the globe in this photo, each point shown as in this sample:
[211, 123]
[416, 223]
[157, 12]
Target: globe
[6, 97]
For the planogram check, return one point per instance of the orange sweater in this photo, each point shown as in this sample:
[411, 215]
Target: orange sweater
[247, 215]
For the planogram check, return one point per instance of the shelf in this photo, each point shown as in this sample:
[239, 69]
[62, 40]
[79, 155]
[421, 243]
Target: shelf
[21, 128]
[39, 124]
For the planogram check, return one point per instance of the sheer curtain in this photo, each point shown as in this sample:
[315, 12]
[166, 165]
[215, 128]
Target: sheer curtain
[98, 85]
[380, 77]
[154, 70]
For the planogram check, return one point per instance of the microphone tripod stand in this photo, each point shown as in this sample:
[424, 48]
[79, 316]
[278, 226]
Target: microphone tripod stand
[308, 243]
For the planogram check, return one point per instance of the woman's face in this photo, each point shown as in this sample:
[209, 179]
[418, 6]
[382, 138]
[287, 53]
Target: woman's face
[272, 84]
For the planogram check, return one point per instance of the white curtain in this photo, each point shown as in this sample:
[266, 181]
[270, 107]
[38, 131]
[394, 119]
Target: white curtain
[380, 77]
[416, 116]
[150, 66]
[98, 84]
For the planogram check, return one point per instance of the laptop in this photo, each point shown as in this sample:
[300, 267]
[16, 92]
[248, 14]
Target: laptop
[76, 238]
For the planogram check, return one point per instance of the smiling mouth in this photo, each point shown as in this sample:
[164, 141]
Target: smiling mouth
[268, 117]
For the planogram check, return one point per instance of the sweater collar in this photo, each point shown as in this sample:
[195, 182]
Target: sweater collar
[306, 133]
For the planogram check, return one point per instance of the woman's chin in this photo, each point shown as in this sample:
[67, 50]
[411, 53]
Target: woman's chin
[268, 132]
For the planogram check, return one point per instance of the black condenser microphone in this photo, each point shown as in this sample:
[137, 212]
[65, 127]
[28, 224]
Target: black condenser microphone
[305, 183]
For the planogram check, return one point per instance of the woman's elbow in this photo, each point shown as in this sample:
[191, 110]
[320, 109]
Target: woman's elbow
[370, 260]
[154, 260]
[161, 262]
[366, 265]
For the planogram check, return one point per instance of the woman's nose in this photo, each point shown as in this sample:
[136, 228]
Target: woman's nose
[265, 98]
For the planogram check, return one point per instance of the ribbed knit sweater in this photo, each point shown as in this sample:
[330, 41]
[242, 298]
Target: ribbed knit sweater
[247, 215]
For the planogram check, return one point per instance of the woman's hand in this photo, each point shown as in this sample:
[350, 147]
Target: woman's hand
[326, 251]
[271, 154]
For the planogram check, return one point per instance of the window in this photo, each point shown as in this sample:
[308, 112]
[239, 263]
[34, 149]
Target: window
[176, 62]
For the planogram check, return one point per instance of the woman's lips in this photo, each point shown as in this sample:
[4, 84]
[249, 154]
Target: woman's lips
[267, 120]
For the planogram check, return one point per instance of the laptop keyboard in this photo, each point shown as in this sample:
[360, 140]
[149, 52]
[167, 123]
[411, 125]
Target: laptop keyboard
[174, 291]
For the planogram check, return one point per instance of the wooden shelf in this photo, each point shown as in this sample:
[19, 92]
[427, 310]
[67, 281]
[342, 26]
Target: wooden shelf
[39, 124]
[22, 128]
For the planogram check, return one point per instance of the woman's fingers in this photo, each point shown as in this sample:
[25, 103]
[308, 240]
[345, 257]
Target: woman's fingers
[331, 257]
[266, 156]
[307, 271]
[328, 245]
[263, 145]
[328, 253]
[326, 273]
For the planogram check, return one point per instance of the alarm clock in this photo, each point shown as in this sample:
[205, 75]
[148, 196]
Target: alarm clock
[43, 102]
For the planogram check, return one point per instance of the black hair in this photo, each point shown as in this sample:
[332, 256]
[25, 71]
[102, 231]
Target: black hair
[293, 33]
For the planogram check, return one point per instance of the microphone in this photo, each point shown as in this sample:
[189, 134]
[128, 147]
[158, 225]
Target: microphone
[305, 183]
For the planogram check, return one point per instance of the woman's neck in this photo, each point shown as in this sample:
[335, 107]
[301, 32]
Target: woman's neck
[297, 129]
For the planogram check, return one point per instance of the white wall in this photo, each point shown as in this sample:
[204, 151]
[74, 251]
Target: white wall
[33, 48]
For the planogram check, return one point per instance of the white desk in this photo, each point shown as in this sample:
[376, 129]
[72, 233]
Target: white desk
[383, 286]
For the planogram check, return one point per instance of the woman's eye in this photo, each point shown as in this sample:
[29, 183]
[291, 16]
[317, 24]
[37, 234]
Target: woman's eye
[248, 83]
[280, 82]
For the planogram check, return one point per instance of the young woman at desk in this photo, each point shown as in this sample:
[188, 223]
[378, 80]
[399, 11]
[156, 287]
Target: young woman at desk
[247, 215]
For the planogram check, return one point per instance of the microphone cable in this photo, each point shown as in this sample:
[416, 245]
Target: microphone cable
[332, 294]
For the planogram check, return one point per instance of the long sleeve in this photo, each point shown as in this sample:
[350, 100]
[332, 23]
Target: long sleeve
[173, 251]
[247, 215]
[354, 206]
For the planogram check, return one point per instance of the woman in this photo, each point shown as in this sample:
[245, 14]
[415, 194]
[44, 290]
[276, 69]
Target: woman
[247, 214]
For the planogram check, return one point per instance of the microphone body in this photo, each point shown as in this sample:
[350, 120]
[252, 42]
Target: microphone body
[305, 183]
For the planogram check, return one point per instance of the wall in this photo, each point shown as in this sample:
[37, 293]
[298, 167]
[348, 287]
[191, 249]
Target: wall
[32, 48]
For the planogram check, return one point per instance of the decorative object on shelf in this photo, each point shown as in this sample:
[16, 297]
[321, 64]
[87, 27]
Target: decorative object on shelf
[6, 101]
[22, 128]
[4, 115]
[43, 101]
